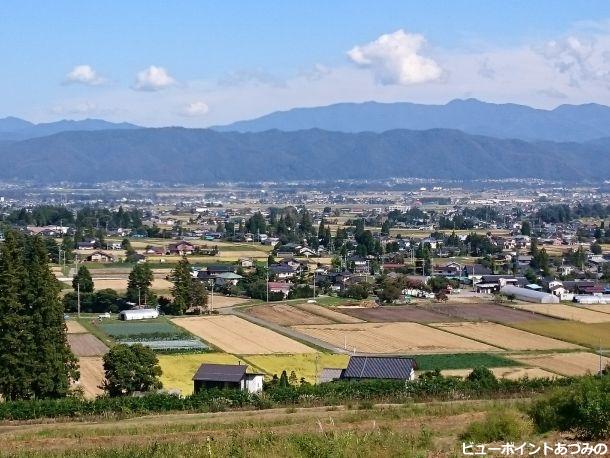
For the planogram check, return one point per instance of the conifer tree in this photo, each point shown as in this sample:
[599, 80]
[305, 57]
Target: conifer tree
[182, 279]
[138, 286]
[83, 278]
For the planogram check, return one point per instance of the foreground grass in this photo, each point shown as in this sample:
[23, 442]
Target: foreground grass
[588, 334]
[357, 430]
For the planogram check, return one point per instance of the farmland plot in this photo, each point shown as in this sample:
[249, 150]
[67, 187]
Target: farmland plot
[407, 338]
[236, 335]
[306, 365]
[566, 312]
[485, 312]
[505, 337]
[91, 376]
[74, 327]
[286, 315]
[511, 373]
[588, 334]
[396, 313]
[569, 364]
[332, 315]
[86, 345]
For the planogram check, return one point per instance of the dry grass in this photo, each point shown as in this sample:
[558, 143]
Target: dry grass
[603, 308]
[566, 312]
[120, 284]
[221, 302]
[588, 334]
[86, 345]
[91, 375]
[238, 336]
[330, 314]
[74, 327]
[409, 338]
[505, 337]
[511, 373]
[569, 364]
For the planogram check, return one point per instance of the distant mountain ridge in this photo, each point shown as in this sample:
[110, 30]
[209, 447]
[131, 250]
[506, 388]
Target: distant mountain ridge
[179, 155]
[563, 124]
[16, 129]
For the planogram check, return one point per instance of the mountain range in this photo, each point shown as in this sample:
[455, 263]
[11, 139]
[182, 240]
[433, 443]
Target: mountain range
[462, 140]
[564, 123]
[179, 155]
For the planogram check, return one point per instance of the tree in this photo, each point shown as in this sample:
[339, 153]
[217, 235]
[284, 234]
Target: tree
[389, 293]
[526, 228]
[356, 291]
[138, 286]
[84, 280]
[483, 377]
[182, 280]
[129, 369]
[596, 248]
[284, 380]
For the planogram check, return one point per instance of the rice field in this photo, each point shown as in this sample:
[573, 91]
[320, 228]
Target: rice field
[328, 313]
[569, 364]
[286, 315]
[238, 336]
[393, 338]
[566, 312]
[505, 337]
[511, 373]
[306, 365]
[591, 335]
[178, 370]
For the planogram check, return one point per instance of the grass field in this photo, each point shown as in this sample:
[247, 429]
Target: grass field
[462, 361]
[401, 338]
[588, 334]
[566, 312]
[238, 336]
[304, 365]
[577, 363]
[178, 369]
[505, 337]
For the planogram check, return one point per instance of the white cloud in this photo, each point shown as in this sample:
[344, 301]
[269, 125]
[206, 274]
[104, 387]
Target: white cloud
[84, 74]
[153, 79]
[396, 58]
[194, 109]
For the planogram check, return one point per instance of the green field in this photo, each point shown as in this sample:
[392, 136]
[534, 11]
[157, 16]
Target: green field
[462, 361]
[591, 335]
[159, 328]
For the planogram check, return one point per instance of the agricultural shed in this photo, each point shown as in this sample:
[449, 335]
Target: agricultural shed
[529, 295]
[138, 314]
[330, 374]
[592, 299]
[380, 367]
[227, 376]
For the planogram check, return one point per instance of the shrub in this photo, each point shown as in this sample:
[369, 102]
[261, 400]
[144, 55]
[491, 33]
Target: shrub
[498, 425]
[583, 408]
[483, 377]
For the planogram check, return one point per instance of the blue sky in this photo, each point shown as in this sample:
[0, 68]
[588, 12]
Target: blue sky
[202, 63]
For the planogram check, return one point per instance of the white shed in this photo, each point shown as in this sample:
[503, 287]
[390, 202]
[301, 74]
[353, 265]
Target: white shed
[529, 295]
[138, 314]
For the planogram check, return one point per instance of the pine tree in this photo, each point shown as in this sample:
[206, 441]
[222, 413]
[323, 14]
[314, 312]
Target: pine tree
[16, 342]
[182, 279]
[138, 286]
[55, 367]
[83, 278]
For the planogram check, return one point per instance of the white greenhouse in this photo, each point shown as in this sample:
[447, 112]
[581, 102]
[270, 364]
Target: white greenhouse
[529, 295]
[138, 314]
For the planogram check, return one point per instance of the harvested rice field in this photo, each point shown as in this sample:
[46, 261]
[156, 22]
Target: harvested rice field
[396, 313]
[505, 337]
[393, 338]
[86, 345]
[511, 373]
[91, 376]
[286, 315]
[569, 364]
[238, 336]
[566, 312]
[306, 365]
[484, 312]
[326, 312]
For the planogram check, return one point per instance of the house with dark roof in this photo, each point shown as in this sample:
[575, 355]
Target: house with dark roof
[227, 376]
[380, 367]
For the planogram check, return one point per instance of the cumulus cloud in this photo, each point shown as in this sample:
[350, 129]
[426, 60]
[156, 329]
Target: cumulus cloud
[84, 74]
[396, 58]
[581, 59]
[153, 79]
[194, 109]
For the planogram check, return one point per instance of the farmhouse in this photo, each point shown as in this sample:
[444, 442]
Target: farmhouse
[181, 248]
[380, 367]
[138, 314]
[279, 287]
[226, 376]
[100, 256]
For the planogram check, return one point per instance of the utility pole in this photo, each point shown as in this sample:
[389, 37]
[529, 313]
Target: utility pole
[78, 297]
